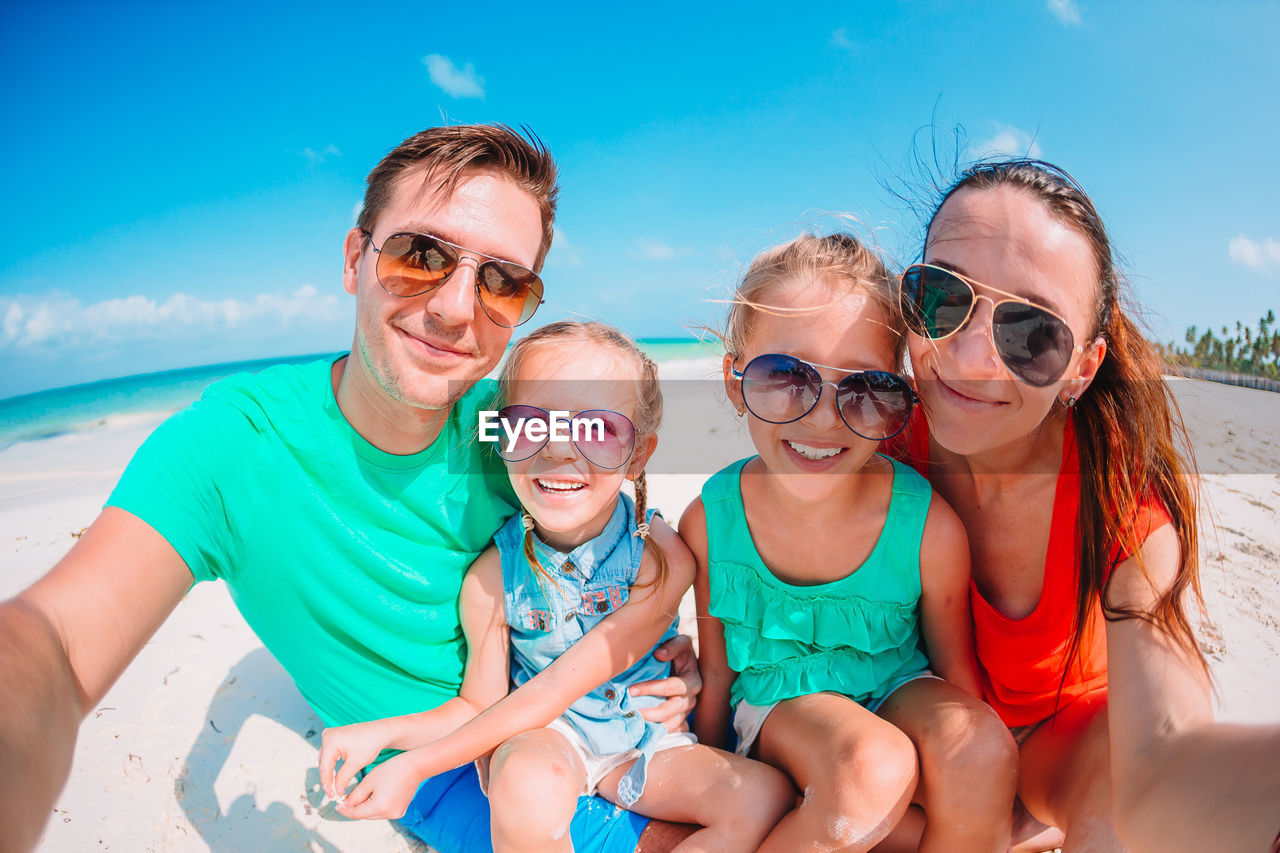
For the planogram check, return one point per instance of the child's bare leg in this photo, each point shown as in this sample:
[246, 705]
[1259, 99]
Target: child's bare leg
[534, 782]
[857, 772]
[736, 800]
[968, 765]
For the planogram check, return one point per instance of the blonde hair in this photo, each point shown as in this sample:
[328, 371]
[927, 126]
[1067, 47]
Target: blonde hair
[648, 408]
[839, 260]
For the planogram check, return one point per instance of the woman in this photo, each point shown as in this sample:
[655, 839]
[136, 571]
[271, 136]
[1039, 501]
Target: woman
[1050, 431]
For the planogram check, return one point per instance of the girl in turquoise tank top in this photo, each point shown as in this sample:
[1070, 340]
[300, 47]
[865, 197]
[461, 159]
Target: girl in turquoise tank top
[833, 587]
[562, 616]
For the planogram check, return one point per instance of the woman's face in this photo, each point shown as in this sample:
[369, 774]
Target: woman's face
[1007, 239]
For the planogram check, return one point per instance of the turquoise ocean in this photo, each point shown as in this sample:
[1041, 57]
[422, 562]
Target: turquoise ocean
[152, 396]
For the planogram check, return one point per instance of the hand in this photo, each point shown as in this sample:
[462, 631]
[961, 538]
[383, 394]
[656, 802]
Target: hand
[385, 793]
[357, 745]
[681, 689]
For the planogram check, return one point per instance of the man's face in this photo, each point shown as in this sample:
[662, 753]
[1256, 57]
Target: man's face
[426, 351]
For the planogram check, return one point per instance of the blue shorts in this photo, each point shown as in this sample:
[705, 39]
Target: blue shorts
[450, 813]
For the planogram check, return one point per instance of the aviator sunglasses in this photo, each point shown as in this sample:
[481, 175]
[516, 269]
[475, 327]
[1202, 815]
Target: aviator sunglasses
[604, 438]
[411, 264]
[874, 404]
[1033, 342]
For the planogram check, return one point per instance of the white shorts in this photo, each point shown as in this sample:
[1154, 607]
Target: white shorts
[597, 766]
[749, 719]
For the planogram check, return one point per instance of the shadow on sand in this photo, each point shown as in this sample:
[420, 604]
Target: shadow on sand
[245, 825]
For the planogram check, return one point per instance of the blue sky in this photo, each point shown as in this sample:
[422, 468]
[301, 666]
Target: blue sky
[178, 178]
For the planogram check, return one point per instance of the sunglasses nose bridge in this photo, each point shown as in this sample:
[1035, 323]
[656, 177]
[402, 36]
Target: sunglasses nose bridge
[453, 300]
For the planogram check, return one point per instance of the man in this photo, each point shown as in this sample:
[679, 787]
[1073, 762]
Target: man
[341, 501]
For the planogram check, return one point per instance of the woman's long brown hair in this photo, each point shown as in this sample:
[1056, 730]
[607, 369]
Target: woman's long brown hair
[1129, 431]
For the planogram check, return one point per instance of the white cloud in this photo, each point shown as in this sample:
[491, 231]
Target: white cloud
[656, 250]
[1065, 11]
[456, 82]
[315, 158]
[563, 253]
[1008, 141]
[62, 319]
[840, 39]
[1260, 255]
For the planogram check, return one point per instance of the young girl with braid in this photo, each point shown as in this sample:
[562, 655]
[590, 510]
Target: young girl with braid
[566, 607]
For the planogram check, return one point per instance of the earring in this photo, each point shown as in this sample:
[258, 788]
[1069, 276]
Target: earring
[1070, 402]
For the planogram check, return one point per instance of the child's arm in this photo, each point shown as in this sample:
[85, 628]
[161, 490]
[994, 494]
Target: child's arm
[611, 647]
[711, 722]
[485, 681]
[945, 617]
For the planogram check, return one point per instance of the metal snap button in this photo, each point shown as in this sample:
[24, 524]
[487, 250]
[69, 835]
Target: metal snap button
[610, 694]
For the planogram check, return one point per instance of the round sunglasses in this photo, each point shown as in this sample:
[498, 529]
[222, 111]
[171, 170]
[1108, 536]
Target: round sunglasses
[778, 388]
[604, 438]
[1035, 343]
[412, 264]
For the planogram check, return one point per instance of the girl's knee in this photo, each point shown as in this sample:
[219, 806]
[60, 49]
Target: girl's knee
[969, 744]
[875, 765]
[532, 772]
[766, 796]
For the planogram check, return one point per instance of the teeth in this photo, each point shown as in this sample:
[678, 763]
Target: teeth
[814, 453]
[560, 485]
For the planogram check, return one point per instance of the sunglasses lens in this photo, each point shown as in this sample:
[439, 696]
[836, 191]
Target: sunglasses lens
[935, 302]
[509, 293]
[875, 404]
[514, 421]
[779, 389]
[410, 264]
[1035, 345]
[604, 438]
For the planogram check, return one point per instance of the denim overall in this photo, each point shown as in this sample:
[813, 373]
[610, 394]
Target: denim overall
[545, 619]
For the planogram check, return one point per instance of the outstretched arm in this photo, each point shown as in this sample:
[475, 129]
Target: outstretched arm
[712, 721]
[1181, 781]
[945, 614]
[606, 650]
[63, 643]
[482, 612]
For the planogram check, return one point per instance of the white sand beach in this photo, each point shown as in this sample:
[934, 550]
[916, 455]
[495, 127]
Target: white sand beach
[205, 744]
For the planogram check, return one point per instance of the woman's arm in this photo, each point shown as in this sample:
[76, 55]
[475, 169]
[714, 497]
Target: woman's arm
[611, 647]
[711, 723]
[945, 614]
[483, 615]
[1181, 781]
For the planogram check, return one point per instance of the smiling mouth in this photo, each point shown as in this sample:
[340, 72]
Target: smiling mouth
[969, 398]
[814, 454]
[432, 347]
[559, 487]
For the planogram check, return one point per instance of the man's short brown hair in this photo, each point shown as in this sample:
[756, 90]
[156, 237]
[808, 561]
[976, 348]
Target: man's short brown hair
[447, 154]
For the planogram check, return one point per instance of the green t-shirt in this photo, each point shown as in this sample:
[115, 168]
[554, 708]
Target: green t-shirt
[346, 561]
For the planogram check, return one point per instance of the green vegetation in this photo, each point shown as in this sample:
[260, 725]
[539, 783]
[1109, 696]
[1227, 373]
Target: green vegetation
[1249, 351]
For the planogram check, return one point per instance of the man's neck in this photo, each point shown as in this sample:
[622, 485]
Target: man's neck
[387, 424]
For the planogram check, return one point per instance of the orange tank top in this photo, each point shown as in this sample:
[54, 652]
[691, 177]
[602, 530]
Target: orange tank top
[1021, 661]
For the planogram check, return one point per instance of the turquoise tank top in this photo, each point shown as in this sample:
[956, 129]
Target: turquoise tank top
[856, 635]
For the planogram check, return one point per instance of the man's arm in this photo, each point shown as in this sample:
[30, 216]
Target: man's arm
[63, 643]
